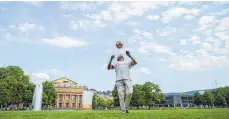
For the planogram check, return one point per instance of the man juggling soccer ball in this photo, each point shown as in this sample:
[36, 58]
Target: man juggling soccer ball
[123, 79]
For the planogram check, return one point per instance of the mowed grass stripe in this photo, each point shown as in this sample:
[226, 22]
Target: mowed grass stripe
[115, 114]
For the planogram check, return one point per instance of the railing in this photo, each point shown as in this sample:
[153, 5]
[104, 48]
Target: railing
[69, 85]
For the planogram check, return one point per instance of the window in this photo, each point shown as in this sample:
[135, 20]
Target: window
[67, 98]
[60, 105]
[74, 98]
[60, 98]
[80, 99]
[65, 81]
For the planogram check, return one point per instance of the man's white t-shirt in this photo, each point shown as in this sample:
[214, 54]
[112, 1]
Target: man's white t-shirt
[122, 69]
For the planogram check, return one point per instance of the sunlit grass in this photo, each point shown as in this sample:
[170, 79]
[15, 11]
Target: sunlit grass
[115, 114]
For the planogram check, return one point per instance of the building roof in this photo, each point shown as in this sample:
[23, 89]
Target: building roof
[66, 79]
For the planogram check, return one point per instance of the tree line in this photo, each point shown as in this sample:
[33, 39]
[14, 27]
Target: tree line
[147, 94]
[17, 89]
[215, 98]
[101, 103]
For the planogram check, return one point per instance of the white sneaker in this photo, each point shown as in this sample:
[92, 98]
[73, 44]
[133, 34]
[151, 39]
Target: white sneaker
[123, 111]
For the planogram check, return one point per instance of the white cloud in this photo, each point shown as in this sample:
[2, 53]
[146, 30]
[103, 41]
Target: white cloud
[65, 42]
[153, 17]
[125, 10]
[224, 35]
[154, 47]
[120, 11]
[223, 24]
[210, 54]
[86, 24]
[143, 33]
[207, 22]
[144, 70]
[42, 76]
[78, 6]
[188, 17]
[175, 12]
[24, 27]
[198, 61]
[189, 3]
[116, 11]
[207, 46]
[166, 31]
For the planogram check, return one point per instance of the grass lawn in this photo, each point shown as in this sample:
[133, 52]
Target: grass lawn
[115, 114]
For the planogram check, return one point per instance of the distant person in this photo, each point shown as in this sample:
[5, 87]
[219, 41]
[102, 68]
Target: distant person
[123, 79]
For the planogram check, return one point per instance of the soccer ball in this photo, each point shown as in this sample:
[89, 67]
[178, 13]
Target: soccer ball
[119, 44]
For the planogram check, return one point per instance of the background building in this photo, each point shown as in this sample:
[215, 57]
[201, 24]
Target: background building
[185, 99]
[71, 95]
[179, 100]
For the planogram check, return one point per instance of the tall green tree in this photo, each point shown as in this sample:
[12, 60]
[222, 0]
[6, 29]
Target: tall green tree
[208, 98]
[95, 101]
[198, 99]
[49, 94]
[115, 97]
[220, 100]
[14, 84]
[137, 99]
[153, 94]
[224, 91]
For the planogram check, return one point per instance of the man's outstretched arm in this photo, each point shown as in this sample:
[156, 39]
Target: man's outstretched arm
[110, 66]
[133, 61]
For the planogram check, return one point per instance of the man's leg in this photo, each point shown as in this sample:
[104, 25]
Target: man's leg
[128, 90]
[120, 88]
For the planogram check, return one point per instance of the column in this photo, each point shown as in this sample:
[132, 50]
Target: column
[77, 101]
[70, 101]
[63, 102]
[57, 101]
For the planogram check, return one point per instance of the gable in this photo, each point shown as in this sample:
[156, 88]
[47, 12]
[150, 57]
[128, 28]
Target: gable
[63, 80]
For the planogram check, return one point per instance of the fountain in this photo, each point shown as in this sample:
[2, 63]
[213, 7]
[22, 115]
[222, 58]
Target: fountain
[37, 97]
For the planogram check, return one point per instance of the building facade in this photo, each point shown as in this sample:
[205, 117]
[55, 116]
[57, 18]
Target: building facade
[179, 100]
[185, 99]
[71, 95]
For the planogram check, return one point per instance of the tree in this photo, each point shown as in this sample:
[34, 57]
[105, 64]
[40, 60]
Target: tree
[198, 99]
[220, 100]
[95, 101]
[13, 83]
[208, 98]
[99, 102]
[5, 92]
[109, 102]
[153, 94]
[49, 94]
[137, 99]
[115, 97]
[224, 91]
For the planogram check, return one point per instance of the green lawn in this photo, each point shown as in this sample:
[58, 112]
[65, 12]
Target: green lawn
[115, 114]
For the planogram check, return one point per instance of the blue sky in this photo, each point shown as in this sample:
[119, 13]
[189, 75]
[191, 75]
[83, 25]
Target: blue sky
[180, 46]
